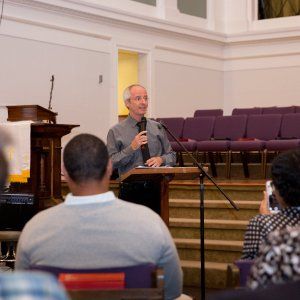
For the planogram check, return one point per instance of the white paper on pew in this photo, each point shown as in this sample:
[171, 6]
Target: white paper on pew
[146, 167]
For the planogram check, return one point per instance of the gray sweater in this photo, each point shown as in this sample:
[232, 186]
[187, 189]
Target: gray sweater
[100, 234]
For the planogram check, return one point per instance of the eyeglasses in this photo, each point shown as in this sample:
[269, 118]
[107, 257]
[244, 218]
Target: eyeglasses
[139, 98]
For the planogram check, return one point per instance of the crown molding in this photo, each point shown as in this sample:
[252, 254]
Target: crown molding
[113, 16]
[96, 12]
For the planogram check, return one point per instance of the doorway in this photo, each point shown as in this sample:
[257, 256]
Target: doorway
[132, 68]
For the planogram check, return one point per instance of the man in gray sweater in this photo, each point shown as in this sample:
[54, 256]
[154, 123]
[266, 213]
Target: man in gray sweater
[93, 228]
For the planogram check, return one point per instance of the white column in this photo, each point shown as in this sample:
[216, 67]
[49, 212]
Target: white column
[229, 16]
[167, 9]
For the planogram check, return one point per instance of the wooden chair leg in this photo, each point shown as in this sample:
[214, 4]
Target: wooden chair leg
[212, 164]
[219, 157]
[196, 155]
[228, 164]
[180, 159]
[244, 156]
[204, 157]
[264, 155]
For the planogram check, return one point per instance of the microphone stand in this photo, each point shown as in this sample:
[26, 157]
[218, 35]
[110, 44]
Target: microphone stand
[203, 174]
[51, 91]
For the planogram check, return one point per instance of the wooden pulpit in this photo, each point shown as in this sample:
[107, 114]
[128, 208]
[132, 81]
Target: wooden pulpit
[164, 175]
[45, 160]
[30, 112]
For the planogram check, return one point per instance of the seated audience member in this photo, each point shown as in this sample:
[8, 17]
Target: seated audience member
[289, 290]
[276, 272]
[25, 285]
[30, 285]
[4, 140]
[278, 260]
[94, 229]
[285, 173]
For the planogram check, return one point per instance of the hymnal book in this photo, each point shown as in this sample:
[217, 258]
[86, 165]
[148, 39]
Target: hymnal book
[92, 281]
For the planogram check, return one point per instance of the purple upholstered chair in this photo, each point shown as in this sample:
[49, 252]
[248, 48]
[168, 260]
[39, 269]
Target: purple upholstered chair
[297, 109]
[260, 128]
[278, 110]
[195, 129]
[226, 129]
[247, 111]
[134, 282]
[208, 113]
[244, 267]
[289, 135]
[174, 124]
[176, 127]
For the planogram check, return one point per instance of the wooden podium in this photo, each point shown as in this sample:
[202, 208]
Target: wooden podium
[163, 175]
[45, 160]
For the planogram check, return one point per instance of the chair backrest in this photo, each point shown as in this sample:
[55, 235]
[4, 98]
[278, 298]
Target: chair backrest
[175, 125]
[263, 127]
[278, 110]
[297, 109]
[208, 113]
[230, 127]
[141, 282]
[247, 111]
[199, 129]
[290, 126]
[140, 276]
[244, 267]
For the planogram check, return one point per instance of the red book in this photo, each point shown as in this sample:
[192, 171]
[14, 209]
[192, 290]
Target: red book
[92, 281]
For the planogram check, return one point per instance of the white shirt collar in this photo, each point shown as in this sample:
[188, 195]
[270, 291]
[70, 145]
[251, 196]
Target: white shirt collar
[98, 198]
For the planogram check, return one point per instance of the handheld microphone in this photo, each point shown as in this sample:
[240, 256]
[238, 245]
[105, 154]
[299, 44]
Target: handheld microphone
[143, 124]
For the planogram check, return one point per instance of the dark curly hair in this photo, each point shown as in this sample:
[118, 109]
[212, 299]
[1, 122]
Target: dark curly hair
[85, 158]
[286, 176]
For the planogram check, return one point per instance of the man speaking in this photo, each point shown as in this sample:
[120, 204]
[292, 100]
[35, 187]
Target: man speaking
[138, 141]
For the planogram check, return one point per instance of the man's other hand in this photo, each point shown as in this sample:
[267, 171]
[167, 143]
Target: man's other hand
[154, 161]
[139, 140]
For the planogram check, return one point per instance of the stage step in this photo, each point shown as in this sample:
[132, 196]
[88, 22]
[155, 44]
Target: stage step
[214, 209]
[220, 251]
[237, 190]
[224, 227]
[214, 229]
[217, 275]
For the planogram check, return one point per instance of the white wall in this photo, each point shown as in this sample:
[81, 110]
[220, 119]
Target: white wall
[265, 87]
[26, 69]
[38, 40]
[227, 60]
[181, 89]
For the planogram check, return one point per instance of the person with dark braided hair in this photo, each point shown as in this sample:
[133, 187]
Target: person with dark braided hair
[285, 174]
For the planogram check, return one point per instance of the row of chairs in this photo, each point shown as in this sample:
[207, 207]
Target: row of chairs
[249, 111]
[238, 133]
